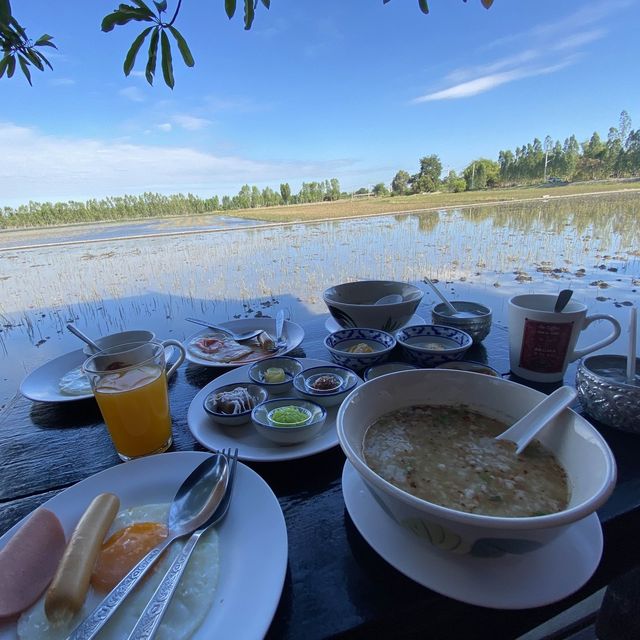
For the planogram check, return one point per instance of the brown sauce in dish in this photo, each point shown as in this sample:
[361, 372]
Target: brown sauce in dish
[449, 456]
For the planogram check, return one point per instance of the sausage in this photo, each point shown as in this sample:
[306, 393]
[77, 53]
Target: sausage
[69, 587]
[29, 561]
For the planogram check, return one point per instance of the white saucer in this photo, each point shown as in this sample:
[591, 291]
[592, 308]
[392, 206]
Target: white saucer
[251, 445]
[331, 324]
[510, 582]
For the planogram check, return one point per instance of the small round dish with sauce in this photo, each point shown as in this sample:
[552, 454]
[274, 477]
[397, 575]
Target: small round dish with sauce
[232, 404]
[288, 420]
[328, 385]
[275, 374]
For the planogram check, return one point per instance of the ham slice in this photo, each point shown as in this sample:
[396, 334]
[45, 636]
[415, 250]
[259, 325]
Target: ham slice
[29, 561]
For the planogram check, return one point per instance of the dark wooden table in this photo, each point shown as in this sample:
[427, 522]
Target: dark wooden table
[335, 585]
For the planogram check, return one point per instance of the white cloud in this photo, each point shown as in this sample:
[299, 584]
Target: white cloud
[50, 168]
[191, 123]
[132, 93]
[62, 82]
[165, 126]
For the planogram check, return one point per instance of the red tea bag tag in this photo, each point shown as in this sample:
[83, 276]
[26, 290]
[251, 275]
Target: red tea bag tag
[544, 345]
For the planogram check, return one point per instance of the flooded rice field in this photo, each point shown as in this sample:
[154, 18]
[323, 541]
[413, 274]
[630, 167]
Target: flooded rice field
[488, 253]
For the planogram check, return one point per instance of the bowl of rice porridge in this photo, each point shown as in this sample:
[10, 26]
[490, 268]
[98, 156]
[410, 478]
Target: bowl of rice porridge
[424, 443]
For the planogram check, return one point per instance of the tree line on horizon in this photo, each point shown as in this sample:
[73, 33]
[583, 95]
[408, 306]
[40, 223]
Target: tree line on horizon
[595, 158]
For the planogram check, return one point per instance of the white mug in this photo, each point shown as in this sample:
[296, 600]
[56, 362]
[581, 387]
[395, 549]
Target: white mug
[542, 342]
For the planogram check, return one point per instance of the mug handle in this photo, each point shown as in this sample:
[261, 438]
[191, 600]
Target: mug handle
[601, 343]
[181, 355]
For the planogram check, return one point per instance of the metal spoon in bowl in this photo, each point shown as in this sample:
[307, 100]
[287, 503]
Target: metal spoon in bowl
[238, 337]
[194, 503]
[524, 430]
[83, 337]
[563, 298]
[452, 310]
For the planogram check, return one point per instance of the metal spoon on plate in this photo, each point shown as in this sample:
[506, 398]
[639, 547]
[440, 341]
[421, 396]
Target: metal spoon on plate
[238, 337]
[523, 431]
[195, 502]
[83, 337]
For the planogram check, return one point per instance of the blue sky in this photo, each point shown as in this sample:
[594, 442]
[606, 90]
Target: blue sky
[351, 89]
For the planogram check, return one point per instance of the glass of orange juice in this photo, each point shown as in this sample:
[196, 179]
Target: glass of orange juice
[129, 382]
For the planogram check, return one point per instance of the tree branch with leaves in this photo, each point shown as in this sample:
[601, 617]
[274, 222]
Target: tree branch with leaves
[18, 50]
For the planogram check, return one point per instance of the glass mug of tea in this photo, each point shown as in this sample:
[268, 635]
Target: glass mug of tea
[542, 342]
[129, 383]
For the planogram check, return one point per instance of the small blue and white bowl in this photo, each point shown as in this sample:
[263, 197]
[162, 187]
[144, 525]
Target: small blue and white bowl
[290, 366]
[428, 345]
[387, 367]
[256, 393]
[287, 434]
[345, 380]
[339, 342]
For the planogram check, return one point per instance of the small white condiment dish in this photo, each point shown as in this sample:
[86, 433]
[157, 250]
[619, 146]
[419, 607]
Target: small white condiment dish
[576, 444]
[469, 365]
[339, 342]
[257, 393]
[472, 318]
[304, 385]
[428, 345]
[265, 423]
[388, 367]
[290, 366]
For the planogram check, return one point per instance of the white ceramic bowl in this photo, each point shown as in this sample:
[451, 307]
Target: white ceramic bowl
[576, 444]
[291, 367]
[387, 367]
[257, 393]
[287, 434]
[352, 304]
[331, 397]
[122, 337]
[338, 343]
[448, 344]
[476, 320]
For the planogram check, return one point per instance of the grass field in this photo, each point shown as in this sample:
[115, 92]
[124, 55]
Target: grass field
[372, 206]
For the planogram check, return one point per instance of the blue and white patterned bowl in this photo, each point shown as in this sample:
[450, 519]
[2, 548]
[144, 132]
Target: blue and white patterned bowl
[338, 343]
[428, 345]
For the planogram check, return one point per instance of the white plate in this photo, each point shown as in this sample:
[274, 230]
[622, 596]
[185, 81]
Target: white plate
[331, 324]
[509, 582]
[292, 332]
[42, 384]
[250, 580]
[251, 445]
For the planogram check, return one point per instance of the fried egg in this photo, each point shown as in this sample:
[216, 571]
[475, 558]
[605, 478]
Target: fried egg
[192, 600]
[75, 383]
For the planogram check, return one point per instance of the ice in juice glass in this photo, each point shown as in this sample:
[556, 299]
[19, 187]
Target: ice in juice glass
[129, 383]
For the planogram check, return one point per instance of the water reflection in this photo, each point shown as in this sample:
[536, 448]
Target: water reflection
[478, 253]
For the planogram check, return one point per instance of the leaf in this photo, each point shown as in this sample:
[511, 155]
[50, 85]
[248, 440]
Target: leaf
[183, 47]
[44, 59]
[11, 66]
[24, 65]
[111, 20]
[487, 3]
[31, 54]
[161, 6]
[230, 8]
[143, 6]
[45, 41]
[4, 63]
[130, 58]
[167, 62]
[424, 7]
[267, 3]
[153, 56]
[249, 14]
[5, 11]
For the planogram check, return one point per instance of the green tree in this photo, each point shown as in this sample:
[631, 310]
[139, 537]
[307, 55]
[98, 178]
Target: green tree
[428, 178]
[380, 189]
[285, 192]
[482, 173]
[400, 183]
[454, 183]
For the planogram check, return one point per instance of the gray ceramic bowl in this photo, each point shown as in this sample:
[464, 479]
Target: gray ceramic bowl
[477, 324]
[387, 367]
[604, 393]
[338, 343]
[469, 365]
[264, 424]
[353, 304]
[428, 345]
[258, 395]
[291, 367]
